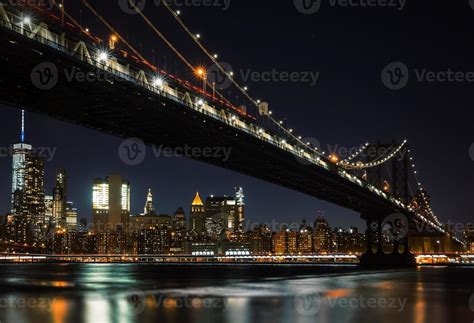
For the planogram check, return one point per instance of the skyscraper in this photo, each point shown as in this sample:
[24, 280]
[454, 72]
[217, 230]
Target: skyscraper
[111, 203]
[71, 217]
[179, 220]
[240, 209]
[60, 198]
[48, 207]
[28, 204]
[20, 151]
[321, 235]
[197, 217]
[149, 208]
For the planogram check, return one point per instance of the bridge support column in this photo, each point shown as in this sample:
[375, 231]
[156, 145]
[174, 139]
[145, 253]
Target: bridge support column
[379, 237]
[376, 257]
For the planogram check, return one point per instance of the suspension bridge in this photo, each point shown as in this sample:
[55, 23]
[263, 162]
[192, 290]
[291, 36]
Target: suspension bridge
[42, 48]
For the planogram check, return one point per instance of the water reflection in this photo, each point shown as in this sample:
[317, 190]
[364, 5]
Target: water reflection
[129, 293]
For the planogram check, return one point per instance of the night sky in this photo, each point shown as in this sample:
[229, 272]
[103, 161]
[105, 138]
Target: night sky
[348, 106]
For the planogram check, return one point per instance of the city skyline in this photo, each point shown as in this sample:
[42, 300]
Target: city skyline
[85, 202]
[227, 161]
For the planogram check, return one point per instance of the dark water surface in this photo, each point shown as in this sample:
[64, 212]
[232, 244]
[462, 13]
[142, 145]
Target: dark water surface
[233, 293]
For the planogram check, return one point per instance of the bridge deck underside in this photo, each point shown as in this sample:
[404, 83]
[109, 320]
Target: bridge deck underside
[126, 110]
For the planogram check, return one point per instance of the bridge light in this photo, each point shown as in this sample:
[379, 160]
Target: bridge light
[103, 56]
[216, 56]
[158, 82]
[246, 88]
[27, 20]
[200, 102]
[200, 72]
[198, 36]
[178, 12]
[333, 158]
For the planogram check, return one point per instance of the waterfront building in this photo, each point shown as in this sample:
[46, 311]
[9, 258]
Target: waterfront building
[197, 215]
[279, 242]
[60, 198]
[19, 153]
[321, 235]
[111, 203]
[149, 207]
[71, 217]
[179, 220]
[305, 241]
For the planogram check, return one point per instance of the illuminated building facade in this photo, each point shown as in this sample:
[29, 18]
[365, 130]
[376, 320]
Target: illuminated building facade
[60, 198]
[305, 241]
[149, 208]
[179, 220]
[111, 204]
[279, 242]
[197, 215]
[71, 217]
[321, 235]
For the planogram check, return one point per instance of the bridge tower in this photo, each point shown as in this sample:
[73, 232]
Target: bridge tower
[397, 169]
[387, 231]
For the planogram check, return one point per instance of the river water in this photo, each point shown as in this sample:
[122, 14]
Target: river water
[233, 293]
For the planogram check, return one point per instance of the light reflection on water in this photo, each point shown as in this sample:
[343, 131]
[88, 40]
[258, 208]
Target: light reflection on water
[152, 293]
